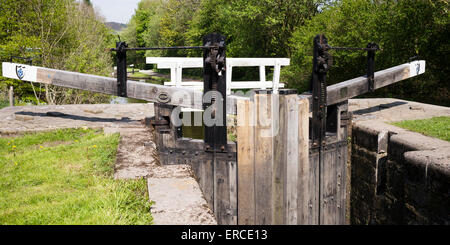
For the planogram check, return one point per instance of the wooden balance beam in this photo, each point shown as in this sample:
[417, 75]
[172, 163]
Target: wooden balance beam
[191, 98]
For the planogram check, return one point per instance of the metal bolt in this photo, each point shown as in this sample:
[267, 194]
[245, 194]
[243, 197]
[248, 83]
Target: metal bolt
[196, 153]
[222, 148]
[184, 152]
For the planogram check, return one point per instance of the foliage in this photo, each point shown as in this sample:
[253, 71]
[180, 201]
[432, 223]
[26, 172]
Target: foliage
[3, 104]
[65, 177]
[65, 35]
[403, 29]
[438, 127]
[253, 28]
[271, 28]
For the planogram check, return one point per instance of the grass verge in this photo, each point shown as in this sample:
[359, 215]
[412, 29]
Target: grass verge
[66, 177]
[438, 127]
[3, 104]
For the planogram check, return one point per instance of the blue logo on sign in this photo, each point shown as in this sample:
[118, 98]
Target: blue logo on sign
[20, 71]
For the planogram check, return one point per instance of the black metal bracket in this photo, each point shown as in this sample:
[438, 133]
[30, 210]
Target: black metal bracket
[214, 79]
[371, 48]
[121, 68]
[322, 61]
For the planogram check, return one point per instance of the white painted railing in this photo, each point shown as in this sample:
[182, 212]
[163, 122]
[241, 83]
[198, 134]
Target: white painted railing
[176, 65]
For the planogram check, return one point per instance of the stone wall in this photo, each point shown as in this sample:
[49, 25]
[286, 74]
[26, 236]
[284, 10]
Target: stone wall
[398, 176]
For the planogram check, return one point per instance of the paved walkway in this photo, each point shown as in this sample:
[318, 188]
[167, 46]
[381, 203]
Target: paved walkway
[391, 110]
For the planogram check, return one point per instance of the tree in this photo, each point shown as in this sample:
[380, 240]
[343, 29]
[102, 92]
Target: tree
[64, 35]
[403, 29]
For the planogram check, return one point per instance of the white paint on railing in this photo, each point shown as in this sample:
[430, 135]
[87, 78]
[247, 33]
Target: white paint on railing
[176, 65]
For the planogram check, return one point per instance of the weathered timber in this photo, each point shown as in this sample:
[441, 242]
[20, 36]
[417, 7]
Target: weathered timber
[278, 177]
[184, 97]
[351, 88]
[246, 162]
[291, 151]
[306, 199]
[272, 144]
[264, 159]
[216, 172]
[191, 98]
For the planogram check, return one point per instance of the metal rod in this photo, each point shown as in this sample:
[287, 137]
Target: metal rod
[372, 47]
[121, 69]
[162, 48]
[352, 48]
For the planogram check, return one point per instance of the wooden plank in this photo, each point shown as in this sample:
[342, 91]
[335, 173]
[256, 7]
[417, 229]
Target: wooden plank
[292, 159]
[329, 187]
[263, 160]
[233, 192]
[221, 192]
[310, 199]
[307, 171]
[279, 163]
[207, 181]
[341, 184]
[246, 160]
[225, 205]
[351, 88]
[145, 91]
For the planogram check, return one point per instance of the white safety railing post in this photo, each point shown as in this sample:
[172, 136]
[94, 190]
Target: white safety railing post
[262, 76]
[276, 77]
[179, 73]
[229, 72]
[173, 75]
[176, 65]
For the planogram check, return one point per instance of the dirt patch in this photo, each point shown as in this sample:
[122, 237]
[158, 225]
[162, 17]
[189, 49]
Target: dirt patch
[55, 143]
[135, 159]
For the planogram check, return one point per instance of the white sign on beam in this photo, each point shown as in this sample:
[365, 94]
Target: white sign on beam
[19, 71]
[416, 68]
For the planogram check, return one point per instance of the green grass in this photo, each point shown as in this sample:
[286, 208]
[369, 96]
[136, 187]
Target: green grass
[138, 74]
[438, 127]
[3, 104]
[66, 177]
